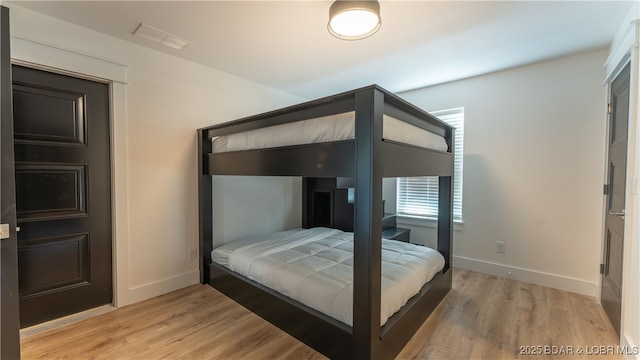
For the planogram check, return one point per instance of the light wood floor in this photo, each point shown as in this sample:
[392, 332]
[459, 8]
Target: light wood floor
[483, 317]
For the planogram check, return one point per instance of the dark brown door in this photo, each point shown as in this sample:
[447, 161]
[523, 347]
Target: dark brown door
[63, 194]
[9, 325]
[611, 291]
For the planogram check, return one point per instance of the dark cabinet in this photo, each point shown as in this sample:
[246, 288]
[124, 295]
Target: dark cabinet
[328, 202]
[397, 233]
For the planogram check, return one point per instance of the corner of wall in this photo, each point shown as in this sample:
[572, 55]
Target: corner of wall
[147, 291]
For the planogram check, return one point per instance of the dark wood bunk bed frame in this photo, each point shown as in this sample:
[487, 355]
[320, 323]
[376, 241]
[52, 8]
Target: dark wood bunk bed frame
[367, 159]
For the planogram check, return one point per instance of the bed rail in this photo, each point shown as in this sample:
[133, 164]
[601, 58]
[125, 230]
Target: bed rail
[332, 105]
[330, 159]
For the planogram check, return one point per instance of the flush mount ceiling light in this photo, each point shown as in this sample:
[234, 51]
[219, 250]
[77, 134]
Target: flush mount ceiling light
[354, 20]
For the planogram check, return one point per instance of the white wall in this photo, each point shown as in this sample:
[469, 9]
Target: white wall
[158, 105]
[274, 204]
[533, 170]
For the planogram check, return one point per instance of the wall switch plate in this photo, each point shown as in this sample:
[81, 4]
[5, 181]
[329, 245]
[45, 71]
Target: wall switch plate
[193, 253]
[500, 247]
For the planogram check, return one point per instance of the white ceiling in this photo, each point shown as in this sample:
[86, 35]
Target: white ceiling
[285, 44]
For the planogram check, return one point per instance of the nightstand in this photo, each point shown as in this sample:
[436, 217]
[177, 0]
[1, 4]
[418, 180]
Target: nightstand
[397, 233]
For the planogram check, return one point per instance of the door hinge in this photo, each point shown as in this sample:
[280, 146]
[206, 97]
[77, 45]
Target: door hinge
[609, 109]
[606, 188]
[602, 269]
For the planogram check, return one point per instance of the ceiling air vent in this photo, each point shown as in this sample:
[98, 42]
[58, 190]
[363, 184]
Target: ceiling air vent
[162, 37]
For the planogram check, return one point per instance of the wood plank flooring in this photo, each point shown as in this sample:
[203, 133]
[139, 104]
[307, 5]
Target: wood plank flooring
[483, 317]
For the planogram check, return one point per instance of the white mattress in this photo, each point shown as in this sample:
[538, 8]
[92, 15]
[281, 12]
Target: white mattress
[324, 129]
[315, 267]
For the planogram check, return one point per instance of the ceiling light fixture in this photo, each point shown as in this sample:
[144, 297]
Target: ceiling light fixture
[354, 20]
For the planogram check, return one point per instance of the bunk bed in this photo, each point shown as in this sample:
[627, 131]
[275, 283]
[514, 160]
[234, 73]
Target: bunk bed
[361, 147]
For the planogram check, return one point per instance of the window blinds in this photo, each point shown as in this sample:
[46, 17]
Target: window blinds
[418, 196]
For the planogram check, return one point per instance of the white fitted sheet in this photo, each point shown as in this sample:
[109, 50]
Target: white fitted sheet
[315, 267]
[324, 129]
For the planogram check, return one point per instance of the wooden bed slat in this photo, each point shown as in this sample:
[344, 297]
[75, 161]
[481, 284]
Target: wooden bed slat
[401, 160]
[313, 328]
[328, 336]
[401, 327]
[430, 123]
[313, 160]
[314, 109]
[319, 160]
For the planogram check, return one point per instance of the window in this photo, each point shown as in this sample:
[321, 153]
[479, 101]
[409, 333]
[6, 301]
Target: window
[418, 196]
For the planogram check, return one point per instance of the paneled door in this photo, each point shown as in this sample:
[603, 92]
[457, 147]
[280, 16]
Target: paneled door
[611, 290]
[9, 325]
[63, 194]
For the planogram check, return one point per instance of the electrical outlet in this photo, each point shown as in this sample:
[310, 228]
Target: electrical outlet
[193, 254]
[500, 247]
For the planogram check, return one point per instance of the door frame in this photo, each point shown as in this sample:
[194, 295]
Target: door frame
[9, 299]
[605, 203]
[30, 54]
[625, 49]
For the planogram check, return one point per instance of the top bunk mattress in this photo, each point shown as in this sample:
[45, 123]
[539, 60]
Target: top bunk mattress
[325, 129]
[315, 267]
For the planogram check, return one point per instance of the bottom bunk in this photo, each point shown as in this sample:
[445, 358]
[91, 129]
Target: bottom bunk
[299, 280]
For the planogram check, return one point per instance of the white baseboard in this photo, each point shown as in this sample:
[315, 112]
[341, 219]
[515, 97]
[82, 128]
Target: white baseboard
[70, 319]
[157, 288]
[527, 275]
[631, 348]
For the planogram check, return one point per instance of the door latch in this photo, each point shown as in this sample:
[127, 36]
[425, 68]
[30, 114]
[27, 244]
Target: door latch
[620, 214]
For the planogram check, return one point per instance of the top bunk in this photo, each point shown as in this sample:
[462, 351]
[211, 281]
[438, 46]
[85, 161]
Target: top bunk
[323, 137]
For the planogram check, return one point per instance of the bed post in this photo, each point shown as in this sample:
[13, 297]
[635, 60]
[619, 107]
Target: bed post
[368, 225]
[445, 211]
[205, 201]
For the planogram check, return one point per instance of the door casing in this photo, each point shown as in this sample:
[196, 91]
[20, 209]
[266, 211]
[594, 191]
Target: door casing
[614, 204]
[9, 321]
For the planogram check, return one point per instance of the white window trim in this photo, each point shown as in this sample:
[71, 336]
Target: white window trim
[431, 220]
[425, 222]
